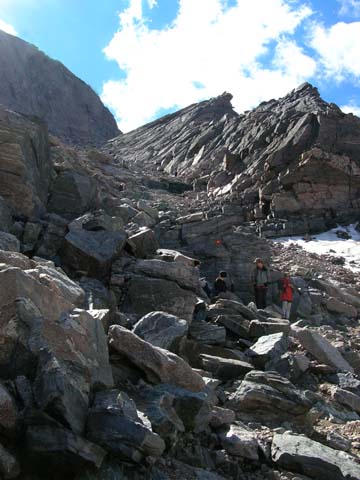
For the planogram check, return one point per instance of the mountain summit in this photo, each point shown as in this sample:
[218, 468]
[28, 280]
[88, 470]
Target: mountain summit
[34, 84]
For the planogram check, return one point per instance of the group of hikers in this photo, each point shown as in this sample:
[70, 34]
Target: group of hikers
[261, 281]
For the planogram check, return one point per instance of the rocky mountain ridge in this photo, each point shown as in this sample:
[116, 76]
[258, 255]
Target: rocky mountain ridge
[34, 84]
[295, 159]
[116, 365]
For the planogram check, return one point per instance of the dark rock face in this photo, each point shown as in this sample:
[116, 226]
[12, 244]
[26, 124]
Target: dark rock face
[286, 158]
[34, 84]
[25, 170]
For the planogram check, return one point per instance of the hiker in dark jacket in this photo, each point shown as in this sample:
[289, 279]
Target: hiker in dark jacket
[221, 285]
[261, 279]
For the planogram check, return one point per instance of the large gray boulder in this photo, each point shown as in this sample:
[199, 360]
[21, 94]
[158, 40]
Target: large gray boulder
[114, 424]
[225, 368]
[192, 408]
[322, 349]
[158, 365]
[302, 455]
[267, 393]
[240, 442]
[144, 243]
[186, 277]
[143, 295]
[334, 305]
[349, 399]
[268, 348]
[72, 194]
[92, 252]
[34, 84]
[258, 328]
[162, 330]
[207, 333]
[9, 242]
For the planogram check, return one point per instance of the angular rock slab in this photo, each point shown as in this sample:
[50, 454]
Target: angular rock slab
[225, 368]
[159, 365]
[207, 333]
[346, 398]
[122, 436]
[144, 242]
[268, 348]
[258, 328]
[72, 194]
[185, 276]
[193, 408]
[302, 455]
[241, 442]
[144, 295]
[322, 349]
[92, 252]
[162, 330]
[268, 393]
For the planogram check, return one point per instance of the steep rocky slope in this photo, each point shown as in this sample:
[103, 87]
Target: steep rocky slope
[114, 363]
[34, 84]
[296, 158]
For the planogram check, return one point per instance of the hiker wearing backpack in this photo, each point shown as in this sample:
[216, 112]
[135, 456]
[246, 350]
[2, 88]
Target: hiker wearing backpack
[261, 280]
[286, 295]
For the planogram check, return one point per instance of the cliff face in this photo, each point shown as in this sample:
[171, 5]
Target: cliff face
[34, 84]
[286, 158]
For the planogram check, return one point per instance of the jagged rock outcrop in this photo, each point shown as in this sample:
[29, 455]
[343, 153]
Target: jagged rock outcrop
[295, 158]
[34, 84]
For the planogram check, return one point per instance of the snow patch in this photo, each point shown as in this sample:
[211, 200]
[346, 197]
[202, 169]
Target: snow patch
[329, 243]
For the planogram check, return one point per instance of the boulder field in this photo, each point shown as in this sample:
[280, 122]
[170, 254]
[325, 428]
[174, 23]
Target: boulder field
[114, 362]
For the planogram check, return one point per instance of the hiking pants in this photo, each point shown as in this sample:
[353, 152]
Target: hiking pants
[260, 297]
[286, 308]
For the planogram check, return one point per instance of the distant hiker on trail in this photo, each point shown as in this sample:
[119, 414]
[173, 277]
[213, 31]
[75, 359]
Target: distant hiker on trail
[261, 279]
[221, 285]
[286, 295]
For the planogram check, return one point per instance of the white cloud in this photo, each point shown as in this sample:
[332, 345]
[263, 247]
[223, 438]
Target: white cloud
[6, 27]
[207, 45]
[339, 49]
[349, 7]
[351, 108]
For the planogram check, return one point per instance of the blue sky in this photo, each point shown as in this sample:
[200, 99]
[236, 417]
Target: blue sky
[149, 57]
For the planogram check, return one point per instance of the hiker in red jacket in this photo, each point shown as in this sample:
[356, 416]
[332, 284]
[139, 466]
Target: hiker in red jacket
[286, 295]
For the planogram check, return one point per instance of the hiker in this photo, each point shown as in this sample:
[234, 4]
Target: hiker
[287, 294]
[261, 279]
[221, 285]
